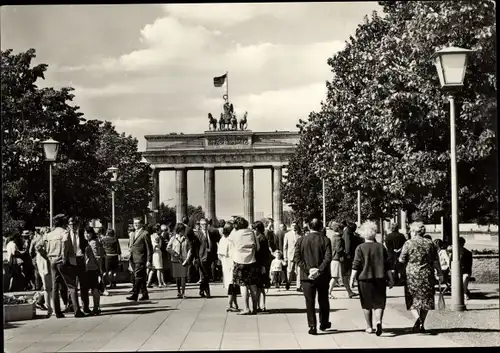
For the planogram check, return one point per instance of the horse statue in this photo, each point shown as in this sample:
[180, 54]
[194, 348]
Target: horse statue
[234, 123]
[243, 122]
[212, 122]
[222, 122]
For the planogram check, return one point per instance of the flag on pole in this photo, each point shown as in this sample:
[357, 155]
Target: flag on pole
[219, 81]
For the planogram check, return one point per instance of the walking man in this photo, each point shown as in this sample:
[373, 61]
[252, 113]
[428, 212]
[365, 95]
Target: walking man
[57, 246]
[204, 250]
[313, 255]
[289, 244]
[79, 244]
[141, 253]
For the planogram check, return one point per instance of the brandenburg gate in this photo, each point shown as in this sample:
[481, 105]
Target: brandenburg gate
[226, 149]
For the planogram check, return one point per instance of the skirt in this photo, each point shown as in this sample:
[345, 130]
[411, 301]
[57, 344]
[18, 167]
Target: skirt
[93, 279]
[112, 263]
[336, 269]
[373, 293]
[233, 289]
[157, 260]
[179, 271]
[246, 274]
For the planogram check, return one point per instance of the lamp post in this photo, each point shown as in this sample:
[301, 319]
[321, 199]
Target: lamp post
[114, 178]
[451, 64]
[50, 149]
[359, 208]
[324, 203]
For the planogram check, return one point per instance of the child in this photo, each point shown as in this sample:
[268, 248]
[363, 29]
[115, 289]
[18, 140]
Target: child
[180, 252]
[93, 253]
[277, 269]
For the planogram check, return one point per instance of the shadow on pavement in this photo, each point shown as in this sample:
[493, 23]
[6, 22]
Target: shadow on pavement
[484, 295]
[295, 311]
[136, 310]
[8, 325]
[127, 303]
[435, 331]
[482, 309]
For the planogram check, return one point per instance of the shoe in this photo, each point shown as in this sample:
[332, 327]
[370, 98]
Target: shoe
[416, 326]
[132, 297]
[69, 309]
[378, 332]
[79, 313]
[60, 315]
[313, 331]
[422, 329]
[41, 306]
[369, 330]
[299, 289]
[179, 295]
[105, 293]
[144, 298]
[96, 312]
[353, 295]
[326, 326]
[202, 294]
[150, 286]
[287, 286]
[86, 311]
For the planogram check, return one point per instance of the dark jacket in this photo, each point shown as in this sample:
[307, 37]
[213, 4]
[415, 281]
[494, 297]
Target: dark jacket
[279, 239]
[263, 256]
[111, 246]
[371, 261]
[269, 234]
[338, 247]
[200, 246]
[313, 251]
[141, 249]
[214, 235]
[394, 241]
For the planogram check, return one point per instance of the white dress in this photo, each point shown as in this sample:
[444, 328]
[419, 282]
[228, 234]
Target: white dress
[157, 255]
[224, 252]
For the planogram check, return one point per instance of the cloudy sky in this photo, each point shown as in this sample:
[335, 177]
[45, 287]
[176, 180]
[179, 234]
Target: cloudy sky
[149, 68]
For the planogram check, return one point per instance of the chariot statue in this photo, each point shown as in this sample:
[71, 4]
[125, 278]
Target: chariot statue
[228, 120]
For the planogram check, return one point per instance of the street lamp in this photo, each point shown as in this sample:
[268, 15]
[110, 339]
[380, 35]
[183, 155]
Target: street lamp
[50, 149]
[451, 64]
[114, 178]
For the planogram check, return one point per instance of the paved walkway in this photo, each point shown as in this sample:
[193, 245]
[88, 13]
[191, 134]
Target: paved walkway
[168, 323]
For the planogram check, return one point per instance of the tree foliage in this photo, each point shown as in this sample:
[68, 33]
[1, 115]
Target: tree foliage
[384, 127]
[87, 148]
[167, 214]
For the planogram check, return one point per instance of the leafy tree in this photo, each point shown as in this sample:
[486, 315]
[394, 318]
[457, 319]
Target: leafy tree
[167, 214]
[385, 123]
[87, 148]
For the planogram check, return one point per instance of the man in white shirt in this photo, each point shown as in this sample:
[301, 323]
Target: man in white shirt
[289, 242]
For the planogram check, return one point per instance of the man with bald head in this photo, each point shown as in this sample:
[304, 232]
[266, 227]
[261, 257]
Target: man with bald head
[313, 254]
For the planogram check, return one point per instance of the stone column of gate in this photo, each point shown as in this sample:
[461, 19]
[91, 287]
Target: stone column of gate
[155, 200]
[248, 194]
[210, 193]
[277, 200]
[180, 193]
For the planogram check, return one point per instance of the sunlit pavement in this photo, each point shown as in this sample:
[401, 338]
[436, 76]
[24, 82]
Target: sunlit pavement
[168, 323]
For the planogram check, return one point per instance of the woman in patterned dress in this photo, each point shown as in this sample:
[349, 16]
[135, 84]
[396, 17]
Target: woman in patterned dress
[421, 258]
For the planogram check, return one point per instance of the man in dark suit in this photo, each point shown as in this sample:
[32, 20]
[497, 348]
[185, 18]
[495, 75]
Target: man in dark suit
[214, 235]
[203, 253]
[313, 254]
[190, 236]
[79, 243]
[279, 238]
[141, 253]
[394, 242]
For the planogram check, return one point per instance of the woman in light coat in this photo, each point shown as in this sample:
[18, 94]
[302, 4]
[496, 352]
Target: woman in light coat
[179, 248]
[224, 250]
[43, 265]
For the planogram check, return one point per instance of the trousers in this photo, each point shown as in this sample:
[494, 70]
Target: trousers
[205, 271]
[140, 279]
[63, 274]
[310, 289]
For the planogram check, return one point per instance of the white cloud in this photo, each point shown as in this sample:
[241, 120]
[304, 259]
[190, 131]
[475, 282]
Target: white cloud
[224, 15]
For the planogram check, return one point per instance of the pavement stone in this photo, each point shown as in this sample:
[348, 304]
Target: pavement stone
[168, 323]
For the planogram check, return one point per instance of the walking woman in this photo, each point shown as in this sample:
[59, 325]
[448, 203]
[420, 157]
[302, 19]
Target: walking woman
[179, 248]
[156, 240]
[263, 257]
[246, 271]
[112, 258]
[371, 268]
[334, 233]
[421, 259]
[94, 252]
[43, 266]
[224, 250]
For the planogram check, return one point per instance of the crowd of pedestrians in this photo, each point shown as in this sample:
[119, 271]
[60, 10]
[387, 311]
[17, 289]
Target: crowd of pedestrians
[249, 258]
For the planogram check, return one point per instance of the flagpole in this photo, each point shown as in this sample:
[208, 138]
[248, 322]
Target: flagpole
[227, 85]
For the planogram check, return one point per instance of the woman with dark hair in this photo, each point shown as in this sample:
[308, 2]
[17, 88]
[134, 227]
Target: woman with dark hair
[113, 253]
[157, 264]
[246, 271]
[94, 252]
[263, 257]
[15, 258]
[179, 248]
